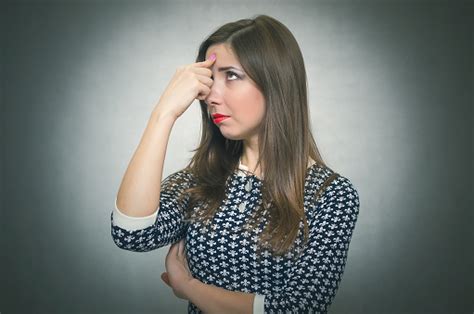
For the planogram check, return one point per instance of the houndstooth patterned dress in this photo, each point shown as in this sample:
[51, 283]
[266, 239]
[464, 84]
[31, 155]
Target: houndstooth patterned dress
[224, 253]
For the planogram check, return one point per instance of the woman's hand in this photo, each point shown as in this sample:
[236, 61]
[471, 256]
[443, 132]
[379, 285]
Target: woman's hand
[177, 275]
[192, 81]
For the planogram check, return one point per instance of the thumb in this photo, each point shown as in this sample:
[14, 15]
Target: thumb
[209, 60]
[212, 58]
[165, 278]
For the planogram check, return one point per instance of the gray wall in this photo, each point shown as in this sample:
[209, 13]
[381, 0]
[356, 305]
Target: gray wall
[391, 90]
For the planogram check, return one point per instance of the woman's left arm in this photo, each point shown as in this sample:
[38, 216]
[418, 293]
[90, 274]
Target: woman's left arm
[208, 298]
[311, 282]
[212, 299]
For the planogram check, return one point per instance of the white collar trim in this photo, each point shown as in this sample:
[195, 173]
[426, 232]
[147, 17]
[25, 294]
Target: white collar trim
[243, 168]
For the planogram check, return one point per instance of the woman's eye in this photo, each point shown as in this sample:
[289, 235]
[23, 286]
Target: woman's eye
[230, 74]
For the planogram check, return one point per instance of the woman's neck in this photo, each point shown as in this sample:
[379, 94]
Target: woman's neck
[250, 155]
[251, 166]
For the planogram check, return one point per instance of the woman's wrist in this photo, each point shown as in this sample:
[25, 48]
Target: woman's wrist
[160, 116]
[193, 285]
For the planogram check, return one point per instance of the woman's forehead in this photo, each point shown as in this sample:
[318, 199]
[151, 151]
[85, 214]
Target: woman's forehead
[221, 49]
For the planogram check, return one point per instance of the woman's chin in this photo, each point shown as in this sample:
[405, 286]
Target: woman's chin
[236, 136]
[233, 138]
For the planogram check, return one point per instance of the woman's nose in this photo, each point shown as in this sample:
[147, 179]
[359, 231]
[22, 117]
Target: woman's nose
[215, 96]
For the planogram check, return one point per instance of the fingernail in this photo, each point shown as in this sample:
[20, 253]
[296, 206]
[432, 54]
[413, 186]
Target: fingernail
[212, 57]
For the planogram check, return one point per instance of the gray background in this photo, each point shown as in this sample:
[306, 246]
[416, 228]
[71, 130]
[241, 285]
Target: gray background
[391, 90]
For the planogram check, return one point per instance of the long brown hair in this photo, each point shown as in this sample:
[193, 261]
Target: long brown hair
[271, 57]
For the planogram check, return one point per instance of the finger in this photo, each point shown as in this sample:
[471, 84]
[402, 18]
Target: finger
[176, 248]
[208, 62]
[178, 251]
[170, 251]
[165, 278]
[203, 71]
[181, 248]
[204, 91]
[204, 88]
[205, 80]
[173, 250]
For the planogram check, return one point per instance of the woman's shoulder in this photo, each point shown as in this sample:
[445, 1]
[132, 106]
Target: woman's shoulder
[183, 178]
[326, 186]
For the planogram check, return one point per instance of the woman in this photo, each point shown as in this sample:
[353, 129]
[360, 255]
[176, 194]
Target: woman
[258, 222]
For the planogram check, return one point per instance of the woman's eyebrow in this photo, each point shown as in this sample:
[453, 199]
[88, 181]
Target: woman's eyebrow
[227, 68]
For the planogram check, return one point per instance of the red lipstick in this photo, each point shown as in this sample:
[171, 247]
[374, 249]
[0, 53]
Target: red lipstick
[218, 118]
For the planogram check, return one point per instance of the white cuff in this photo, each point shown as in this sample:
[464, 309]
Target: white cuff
[132, 223]
[258, 304]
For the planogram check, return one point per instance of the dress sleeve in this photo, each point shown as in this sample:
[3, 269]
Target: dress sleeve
[258, 304]
[165, 226]
[313, 279]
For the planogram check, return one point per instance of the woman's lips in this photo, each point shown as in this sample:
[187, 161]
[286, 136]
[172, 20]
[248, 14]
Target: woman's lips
[218, 117]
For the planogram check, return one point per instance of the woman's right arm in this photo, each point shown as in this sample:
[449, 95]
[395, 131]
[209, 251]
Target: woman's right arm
[139, 192]
[147, 212]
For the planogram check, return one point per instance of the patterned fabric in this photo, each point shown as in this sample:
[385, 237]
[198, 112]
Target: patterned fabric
[223, 253]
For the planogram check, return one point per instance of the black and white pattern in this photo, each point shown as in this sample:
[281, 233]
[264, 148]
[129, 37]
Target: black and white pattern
[224, 253]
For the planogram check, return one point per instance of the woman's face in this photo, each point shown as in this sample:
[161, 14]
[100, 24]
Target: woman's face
[234, 94]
